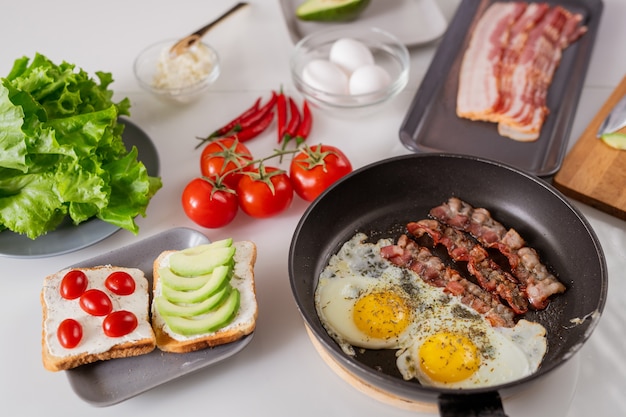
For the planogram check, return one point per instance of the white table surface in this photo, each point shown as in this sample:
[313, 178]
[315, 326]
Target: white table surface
[279, 373]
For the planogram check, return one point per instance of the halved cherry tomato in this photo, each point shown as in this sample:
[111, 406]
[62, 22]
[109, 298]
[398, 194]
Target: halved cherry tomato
[225, 158]
[69, 333]
[73, 284]
[264, 192]
[314, 169]
[120, 283]
[119, 323]
[96, 302]
[208, 204]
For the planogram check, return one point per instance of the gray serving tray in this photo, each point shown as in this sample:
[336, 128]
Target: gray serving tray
[431, 124]
[110, 382]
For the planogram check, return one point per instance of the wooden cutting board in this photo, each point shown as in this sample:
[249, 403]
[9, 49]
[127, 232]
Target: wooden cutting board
[593, 172]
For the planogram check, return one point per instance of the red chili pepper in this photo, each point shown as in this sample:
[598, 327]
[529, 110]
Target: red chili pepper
[256, 129]
[255, 117]
[305, 125]
[227, 128]
[294, 121]
[281, 112]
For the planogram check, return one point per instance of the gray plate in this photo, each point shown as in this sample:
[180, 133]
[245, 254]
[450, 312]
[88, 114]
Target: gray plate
[109, 382]
[431, 124]
[68, 237]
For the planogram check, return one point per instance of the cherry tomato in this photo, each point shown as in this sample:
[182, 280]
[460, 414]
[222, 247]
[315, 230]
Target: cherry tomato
[222, 156]
[119, 323]
[96, 302]
[314, 169]
[264, 192]
[208, 204]
[69, 333]
[120, 283]
[73, 284]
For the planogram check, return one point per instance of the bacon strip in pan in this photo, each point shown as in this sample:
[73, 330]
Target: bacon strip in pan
[407, 253]
[461, 247]
[525, 263]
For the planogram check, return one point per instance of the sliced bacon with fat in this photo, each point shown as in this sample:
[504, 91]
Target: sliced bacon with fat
[510, 62]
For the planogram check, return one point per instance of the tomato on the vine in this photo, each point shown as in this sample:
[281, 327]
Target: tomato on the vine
[314, 169]
[264, 192]
[208, 204]
[222, 156]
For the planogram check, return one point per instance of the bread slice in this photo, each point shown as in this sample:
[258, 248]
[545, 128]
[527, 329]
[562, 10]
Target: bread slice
[244, 322]
[94, 345]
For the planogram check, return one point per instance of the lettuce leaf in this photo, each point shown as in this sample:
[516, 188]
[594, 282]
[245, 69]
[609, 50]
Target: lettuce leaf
[62, 153]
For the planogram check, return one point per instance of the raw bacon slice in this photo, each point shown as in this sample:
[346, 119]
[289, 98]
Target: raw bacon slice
[461, 247]
[525, 263]
[478, 96]
[510, 62]
[407, 253]
[537, 60]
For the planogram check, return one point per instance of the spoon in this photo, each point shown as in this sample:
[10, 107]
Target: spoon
[182, 45]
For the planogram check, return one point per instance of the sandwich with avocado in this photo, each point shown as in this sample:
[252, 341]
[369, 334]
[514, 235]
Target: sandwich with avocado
[204, 296]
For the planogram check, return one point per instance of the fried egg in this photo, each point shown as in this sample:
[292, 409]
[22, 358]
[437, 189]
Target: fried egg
[361, 302]
[364, 301]
[468, 353]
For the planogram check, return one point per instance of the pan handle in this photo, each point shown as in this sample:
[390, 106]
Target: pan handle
[487, 404]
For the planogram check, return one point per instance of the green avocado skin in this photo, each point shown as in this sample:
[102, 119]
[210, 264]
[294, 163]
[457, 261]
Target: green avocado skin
[331, 10]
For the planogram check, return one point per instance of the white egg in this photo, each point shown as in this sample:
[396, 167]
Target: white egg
[350, 54]
[325, 76]
[368, 79]
[440, 341]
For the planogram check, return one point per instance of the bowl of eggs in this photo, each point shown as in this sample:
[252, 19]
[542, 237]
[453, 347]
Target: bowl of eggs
[179, 78]
[403, 316]
[352, 69]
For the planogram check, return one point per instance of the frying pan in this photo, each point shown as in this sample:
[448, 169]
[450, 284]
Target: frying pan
[381, 198]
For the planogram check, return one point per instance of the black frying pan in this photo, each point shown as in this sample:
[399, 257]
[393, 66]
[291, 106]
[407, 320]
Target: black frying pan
[381, 198]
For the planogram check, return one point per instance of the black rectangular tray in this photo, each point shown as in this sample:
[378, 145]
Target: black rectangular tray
[431, 123]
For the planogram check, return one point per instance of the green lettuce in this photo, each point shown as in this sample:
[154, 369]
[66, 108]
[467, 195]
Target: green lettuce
[62, 153]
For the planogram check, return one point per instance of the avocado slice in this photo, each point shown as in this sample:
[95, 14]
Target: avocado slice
[208, 322]
[167, 308]
[615, 140]
[176, 282]
[219, 277]
[200, 260]
[331, 10]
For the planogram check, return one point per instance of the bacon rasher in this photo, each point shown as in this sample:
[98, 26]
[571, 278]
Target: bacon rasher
[462, 248]
[479, 91]
[408, 254]
[524, 51]
[524, 261]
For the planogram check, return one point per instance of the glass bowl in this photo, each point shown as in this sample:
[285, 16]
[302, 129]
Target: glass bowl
[181, 79]
[388, 52]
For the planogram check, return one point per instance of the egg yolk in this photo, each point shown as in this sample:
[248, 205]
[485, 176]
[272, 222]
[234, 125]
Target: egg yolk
[448, 357]
[381, 315]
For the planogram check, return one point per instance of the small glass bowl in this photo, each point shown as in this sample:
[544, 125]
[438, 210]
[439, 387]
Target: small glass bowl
[388, 53]
[146, 69]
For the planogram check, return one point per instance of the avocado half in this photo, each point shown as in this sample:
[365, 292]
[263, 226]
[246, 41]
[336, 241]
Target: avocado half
[331, 10]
